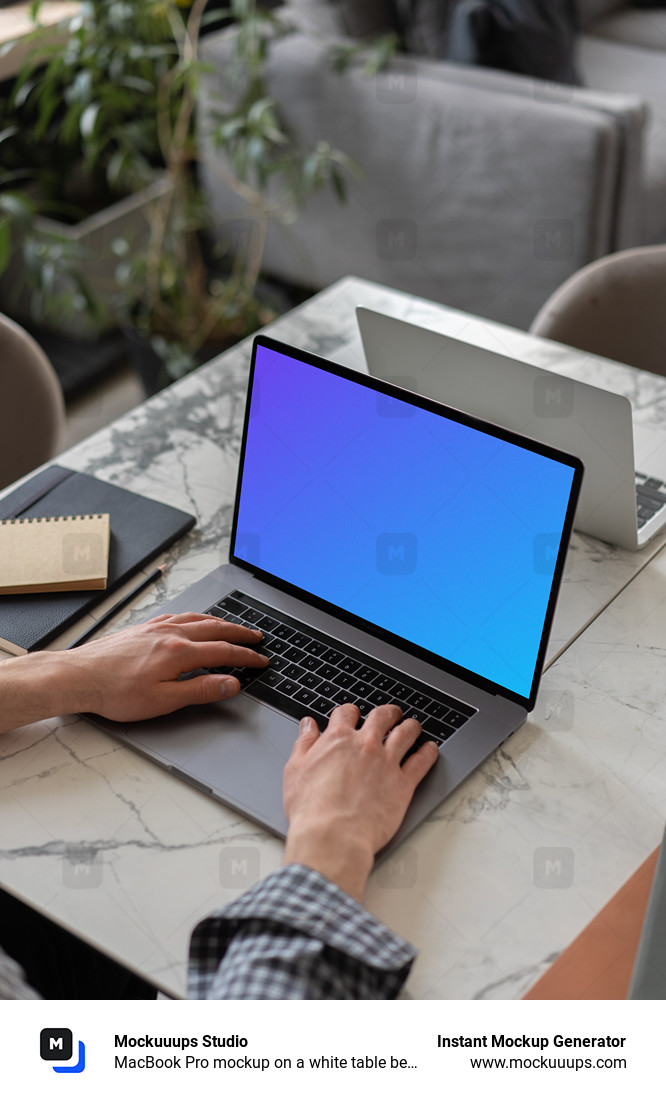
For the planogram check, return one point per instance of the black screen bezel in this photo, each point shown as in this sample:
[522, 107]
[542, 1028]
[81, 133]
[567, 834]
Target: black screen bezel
[428, 404]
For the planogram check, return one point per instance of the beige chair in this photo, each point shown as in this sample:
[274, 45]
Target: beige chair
[615, 307]
[32, 410]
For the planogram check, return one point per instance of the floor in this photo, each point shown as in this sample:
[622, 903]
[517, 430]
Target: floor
[112, 397]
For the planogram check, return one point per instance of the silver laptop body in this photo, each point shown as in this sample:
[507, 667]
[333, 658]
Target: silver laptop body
[235, 751]
[620, 459]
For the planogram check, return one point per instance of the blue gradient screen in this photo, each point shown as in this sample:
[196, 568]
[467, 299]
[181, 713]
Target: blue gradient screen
[435, 531]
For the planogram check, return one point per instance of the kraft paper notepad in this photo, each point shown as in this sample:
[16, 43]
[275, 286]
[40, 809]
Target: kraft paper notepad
[54, 554]
[141, 528]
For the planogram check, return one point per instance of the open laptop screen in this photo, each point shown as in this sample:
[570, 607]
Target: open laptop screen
[441, 533]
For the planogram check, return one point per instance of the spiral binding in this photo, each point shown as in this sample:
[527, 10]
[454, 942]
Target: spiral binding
[47, 519]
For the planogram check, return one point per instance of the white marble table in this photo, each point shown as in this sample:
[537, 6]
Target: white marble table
[129, 858]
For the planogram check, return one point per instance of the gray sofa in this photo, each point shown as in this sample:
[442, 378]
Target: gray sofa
[480, 189]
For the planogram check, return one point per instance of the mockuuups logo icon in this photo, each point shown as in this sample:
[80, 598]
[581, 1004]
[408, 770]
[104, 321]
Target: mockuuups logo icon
[396, 553]
[56, 1044]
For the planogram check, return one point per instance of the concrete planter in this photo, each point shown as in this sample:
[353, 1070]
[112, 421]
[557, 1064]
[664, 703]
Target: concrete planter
[93, 239]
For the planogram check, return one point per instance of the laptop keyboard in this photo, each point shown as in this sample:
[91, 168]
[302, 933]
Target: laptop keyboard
[650, 497]
[309, 676]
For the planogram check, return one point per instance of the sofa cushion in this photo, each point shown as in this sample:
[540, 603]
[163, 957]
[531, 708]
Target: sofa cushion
[591, 10]
[533, 37]
[316, 16]
[615, 67]
[453, 213]
[635, 28]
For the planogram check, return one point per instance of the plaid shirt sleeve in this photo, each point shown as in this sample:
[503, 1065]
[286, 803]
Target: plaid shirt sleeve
[296, 936]
[13, 986]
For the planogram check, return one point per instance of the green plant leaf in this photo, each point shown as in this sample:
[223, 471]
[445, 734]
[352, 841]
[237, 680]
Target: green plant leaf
[88, 120]
[137, 84]
[23, 91]
[339, 184]
[380, 53]
[16, 205]
[9, 131]
[80, 90]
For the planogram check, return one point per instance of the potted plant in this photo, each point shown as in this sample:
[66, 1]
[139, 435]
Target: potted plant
[80, 157]
[160, 280]
[184, 302]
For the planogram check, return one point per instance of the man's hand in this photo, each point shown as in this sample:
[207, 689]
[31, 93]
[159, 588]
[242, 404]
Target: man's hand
[346, 793]
[131, 675]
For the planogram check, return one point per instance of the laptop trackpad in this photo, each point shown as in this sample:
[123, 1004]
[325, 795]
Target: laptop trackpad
[234, 750]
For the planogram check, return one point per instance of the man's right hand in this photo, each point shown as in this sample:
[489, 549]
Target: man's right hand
[346, 792]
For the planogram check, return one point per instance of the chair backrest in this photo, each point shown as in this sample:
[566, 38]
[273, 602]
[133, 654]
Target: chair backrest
[32, 410]
[615, 307]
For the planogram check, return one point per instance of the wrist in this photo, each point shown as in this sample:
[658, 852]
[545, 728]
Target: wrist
[345, 861]
[32, 688]
[66, 683]
[54, 679]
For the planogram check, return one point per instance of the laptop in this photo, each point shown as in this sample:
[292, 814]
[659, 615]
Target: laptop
[623, 499]
[391, 550]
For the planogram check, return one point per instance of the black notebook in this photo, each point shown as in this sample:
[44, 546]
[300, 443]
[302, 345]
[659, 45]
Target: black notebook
[140, 529]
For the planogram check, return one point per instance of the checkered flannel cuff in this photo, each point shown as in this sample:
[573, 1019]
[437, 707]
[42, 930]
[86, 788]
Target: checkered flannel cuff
[13, 986]
[296, 934]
